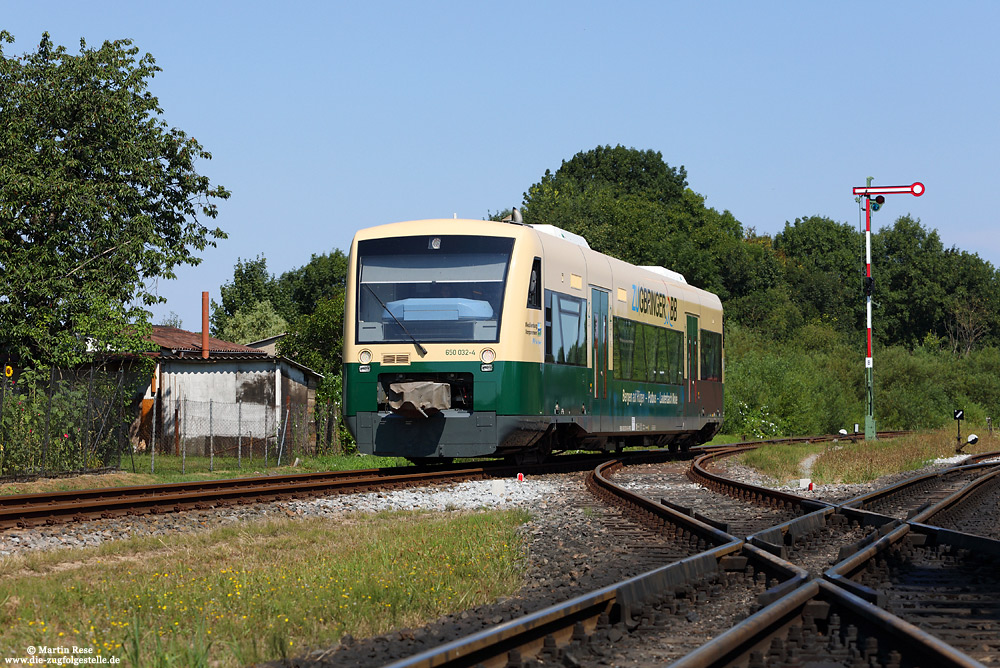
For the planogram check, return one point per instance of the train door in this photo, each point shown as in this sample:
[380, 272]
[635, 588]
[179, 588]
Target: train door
[599, 308]
[691, 398]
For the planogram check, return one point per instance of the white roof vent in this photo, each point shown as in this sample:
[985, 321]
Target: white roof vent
[662, 271]
[562, 234]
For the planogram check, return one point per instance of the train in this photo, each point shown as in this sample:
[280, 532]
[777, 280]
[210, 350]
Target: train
[480, 338]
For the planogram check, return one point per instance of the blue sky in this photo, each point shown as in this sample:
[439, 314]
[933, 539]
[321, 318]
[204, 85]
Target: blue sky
[326, 117]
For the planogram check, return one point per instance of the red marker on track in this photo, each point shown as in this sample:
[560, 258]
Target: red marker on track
[520, 477]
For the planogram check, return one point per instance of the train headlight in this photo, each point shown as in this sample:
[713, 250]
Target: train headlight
[365, 356]
[487, 356]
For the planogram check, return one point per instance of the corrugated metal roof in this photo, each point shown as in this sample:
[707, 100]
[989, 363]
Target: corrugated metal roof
[183, 341]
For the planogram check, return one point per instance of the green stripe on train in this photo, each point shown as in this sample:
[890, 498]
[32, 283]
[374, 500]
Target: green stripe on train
[526, 388]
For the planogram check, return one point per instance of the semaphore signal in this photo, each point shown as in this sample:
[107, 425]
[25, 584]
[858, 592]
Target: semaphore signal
[915, 189]
[874, 199]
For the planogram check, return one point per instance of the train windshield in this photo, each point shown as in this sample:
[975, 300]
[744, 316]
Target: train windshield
[432, 288]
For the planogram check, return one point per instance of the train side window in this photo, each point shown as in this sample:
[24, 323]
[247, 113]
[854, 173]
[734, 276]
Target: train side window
[535, 284]
[675, 356]
[648, 353]
[711, 355]
[565, 329]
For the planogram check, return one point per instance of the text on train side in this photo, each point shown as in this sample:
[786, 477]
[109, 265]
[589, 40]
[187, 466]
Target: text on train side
[652, 303]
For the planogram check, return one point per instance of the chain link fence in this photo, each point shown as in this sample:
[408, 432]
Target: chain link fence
[215, 435]
[60, 422]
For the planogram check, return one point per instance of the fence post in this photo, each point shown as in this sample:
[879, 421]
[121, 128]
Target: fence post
[239, 434]
[284, 428]
[3, 394]
[329, 432]
[88, 424]
[211, 437]
[336, 428]
[123, 439]
[184, 447]
[177, 427]
[48, 415]
[152, 447]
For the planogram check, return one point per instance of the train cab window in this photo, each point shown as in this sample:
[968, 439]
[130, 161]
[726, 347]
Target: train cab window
[437, 288]
[711, 355]
[535, 285]
[565, 329]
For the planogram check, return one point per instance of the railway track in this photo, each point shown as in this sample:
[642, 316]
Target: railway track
[654, 607]
[944, 583]
[908, 498]
[797, 615]
[28, 510]
[700, 571]
[972, 510]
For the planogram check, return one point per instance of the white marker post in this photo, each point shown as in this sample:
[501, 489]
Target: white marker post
[874, 198]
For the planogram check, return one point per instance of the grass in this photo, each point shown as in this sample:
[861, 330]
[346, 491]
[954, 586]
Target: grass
[863, 461]
[780, 462]
[724, 439]
[239, 595]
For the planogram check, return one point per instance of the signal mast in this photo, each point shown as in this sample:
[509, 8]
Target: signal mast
[874, 199]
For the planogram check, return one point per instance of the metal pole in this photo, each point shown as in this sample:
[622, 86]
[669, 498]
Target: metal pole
[123, 438]
[284, 430]
[211, 437]
[48, 415]
[3, 394]
[184, 447]
[177, 427]
[870, 431]
[239, 434]
[85, 444]
[152, 447]
[868, 191]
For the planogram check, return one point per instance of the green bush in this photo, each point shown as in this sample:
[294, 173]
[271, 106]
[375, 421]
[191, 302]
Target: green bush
[65, 420]
[813, 382]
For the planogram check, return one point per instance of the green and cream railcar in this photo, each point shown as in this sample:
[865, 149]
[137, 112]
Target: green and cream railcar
[467, 338]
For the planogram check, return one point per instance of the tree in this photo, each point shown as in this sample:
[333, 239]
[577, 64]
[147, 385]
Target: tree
[301, 290]
[616, 198]
[251, 285]
[632, 205]
[316, 340]
[626, 171]
[98, 196]
[973, 289]
[171, 320]
[824, 269]
[908, 269]
[253, 323]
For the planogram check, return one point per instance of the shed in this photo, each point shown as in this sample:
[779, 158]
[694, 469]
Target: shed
[235, 398]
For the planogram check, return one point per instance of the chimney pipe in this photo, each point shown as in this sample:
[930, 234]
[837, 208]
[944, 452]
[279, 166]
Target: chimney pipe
[204, 325]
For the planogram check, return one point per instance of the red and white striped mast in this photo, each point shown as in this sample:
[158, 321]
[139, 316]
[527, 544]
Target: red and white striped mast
[874, 198]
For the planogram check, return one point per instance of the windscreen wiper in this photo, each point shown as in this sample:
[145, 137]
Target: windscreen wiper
[420, 348]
